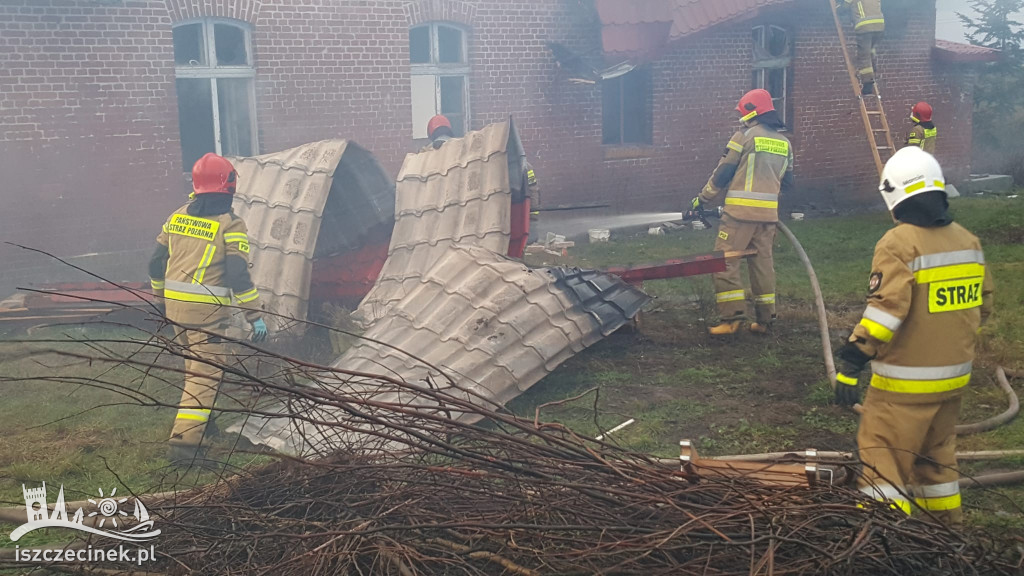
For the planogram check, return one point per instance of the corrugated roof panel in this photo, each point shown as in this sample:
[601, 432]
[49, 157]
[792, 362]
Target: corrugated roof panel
[285, 197]
[457, 193]
[485, 321]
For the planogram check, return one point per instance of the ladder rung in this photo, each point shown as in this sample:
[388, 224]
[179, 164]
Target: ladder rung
[874, 112]
[883, 148]
[879, 130]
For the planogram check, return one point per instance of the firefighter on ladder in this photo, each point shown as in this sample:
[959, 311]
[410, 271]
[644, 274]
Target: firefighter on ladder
[924, 133]
[200, 268]
[756, 167]
[928, 294]
[868, 25]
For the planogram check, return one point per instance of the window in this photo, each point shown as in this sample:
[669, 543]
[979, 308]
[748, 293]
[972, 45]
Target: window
[772, 58]
[214, 73]
[626, 108]
[439, 67]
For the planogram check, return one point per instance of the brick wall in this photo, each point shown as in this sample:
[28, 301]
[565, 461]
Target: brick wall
[88, 127]
[89, 148]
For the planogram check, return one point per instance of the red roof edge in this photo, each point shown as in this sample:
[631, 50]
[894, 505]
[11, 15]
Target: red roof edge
[958, 53]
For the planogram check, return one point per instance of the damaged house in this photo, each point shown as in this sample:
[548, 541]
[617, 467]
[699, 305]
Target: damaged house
[104, 104]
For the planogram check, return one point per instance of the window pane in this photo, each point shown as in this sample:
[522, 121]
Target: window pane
[424, 103]
[778, 42]
[195, 120]
[230, 43]
[758, 37]
[636, 107]
[188, 45]
[235, 109]
[776, 82]
[419, 45]
[611, 111]
[449, 45]
[453, 92]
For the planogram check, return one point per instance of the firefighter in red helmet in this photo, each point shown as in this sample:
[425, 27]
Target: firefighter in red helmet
[439, 130]
[199, 270]
[757, 166]
[924, 133]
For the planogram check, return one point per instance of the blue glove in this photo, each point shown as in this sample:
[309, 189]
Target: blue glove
[695, 204]
[259, 330]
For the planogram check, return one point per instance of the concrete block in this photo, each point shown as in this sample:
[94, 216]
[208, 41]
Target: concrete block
[951, 191]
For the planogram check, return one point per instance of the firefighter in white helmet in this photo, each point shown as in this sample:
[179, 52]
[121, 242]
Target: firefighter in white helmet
[200, 268]
[928, 293]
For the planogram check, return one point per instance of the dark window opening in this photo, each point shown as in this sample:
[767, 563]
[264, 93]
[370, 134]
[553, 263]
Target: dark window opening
[189, 45]
[627, 109]
[195, 120]
[449, 45]
[419, 45]
[230, 43]
[773, 56]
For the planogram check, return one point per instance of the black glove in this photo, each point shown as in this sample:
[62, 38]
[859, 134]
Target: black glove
[851, 362]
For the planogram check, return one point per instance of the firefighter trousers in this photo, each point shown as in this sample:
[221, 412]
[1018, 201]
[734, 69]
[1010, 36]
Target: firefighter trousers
[867, 43]
[910, 450]
[730, 296]
[204, 354]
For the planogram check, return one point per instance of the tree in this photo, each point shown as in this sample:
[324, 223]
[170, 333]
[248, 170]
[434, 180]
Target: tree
[999, 92]
[994, 25]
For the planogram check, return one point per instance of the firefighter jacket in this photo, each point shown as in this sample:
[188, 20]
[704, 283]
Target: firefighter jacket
[867, 15]
[928, 294]
[924, 137]
[206, 268]
[533, 191]
[756, 167]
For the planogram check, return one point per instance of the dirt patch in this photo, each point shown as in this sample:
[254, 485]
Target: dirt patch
[1003, 235]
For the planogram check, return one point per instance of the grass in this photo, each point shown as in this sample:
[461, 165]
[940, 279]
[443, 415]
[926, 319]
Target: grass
[749, 394]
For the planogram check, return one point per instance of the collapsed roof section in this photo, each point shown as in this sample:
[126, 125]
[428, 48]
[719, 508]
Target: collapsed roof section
[316, 201]
[450, 308]
[478, 326]
[459, 193]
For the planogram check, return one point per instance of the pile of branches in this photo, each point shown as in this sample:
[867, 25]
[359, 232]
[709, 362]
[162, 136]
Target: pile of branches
[424, 478]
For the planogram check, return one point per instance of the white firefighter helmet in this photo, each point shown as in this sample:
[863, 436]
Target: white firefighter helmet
[910, 171]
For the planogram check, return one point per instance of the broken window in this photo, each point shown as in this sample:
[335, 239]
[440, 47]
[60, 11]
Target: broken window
[214, 83]
[627, 108]
[773, 49]
[439, 67]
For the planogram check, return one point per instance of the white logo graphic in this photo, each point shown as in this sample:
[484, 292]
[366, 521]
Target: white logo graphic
[108, 520]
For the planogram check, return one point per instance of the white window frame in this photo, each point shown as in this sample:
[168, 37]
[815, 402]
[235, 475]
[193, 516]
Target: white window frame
[762, 73]
[212, 71]
[437, 69]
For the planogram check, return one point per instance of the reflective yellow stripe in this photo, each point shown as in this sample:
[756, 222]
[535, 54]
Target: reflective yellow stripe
[156, 284]
[730, 296]
[953, 272]
[846, 379]
[734, 146]
[931, 132]
[939, 504]
[247, 296]
[939, 184]
[877, 331]
[748, 116]
[915, 187]
[919, 386]
[197, 414]
[751, 163]
[913, 141]
[236, 237]
[751, 203]
[204, 263]
[869, 22]
[868, 70]
[200, 298]
[765, 299]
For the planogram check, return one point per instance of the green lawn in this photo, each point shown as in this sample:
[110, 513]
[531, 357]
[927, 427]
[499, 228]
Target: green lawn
[748, 394]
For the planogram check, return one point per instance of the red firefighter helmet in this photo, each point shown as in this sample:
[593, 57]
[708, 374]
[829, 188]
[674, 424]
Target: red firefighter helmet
[436, 123]
[921, 112]
[755, 103]
[213, 174]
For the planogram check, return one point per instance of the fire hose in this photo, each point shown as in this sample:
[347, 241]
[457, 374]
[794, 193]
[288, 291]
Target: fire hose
[961, 430]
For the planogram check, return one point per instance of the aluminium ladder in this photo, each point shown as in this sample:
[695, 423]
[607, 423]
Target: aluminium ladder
[871, 110]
